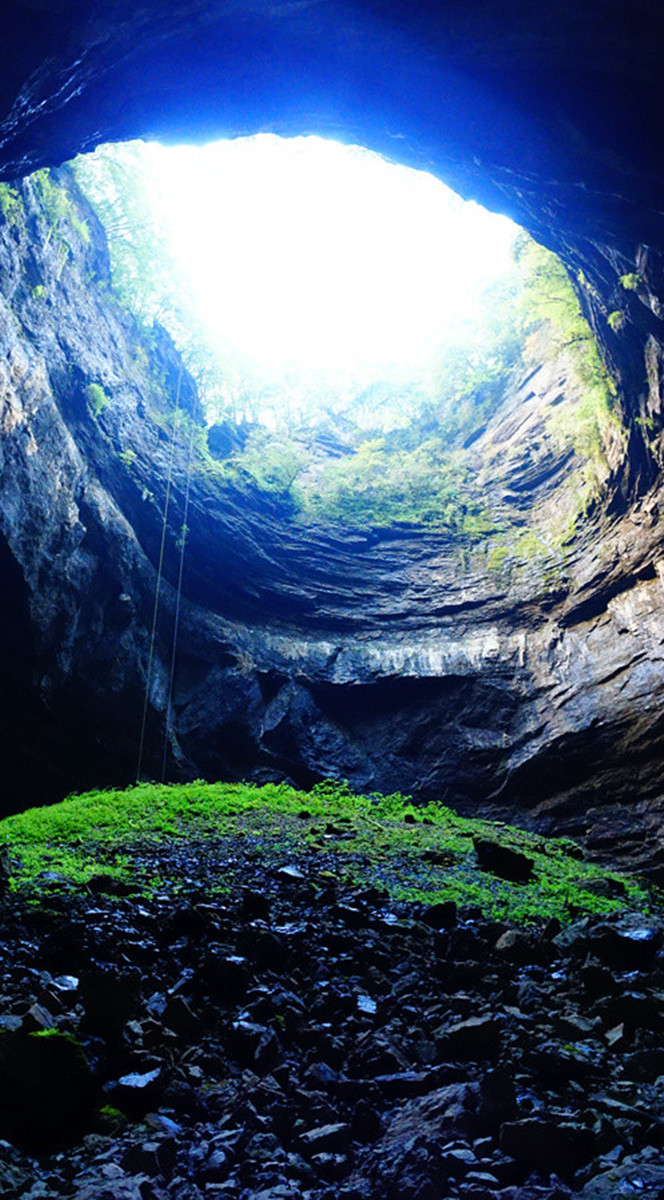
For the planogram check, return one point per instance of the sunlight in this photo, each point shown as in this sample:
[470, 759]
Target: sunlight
[304, 253]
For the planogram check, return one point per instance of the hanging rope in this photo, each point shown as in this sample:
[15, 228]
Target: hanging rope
[178, 599]
[160, 569]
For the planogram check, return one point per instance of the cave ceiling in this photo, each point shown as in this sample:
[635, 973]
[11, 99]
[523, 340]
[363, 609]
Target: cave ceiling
[550, 112]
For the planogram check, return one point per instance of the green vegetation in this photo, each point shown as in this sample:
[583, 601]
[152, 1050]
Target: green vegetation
[417, 853]
[58, 207]
[616, 320]
[128, 458]
[548, 299]
[10, 204]
[96, 398]
[631, 281]
[380, 485]
[38, 292]
[142, 271]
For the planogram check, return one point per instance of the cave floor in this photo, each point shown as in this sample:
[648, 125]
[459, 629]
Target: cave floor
[257, 1023]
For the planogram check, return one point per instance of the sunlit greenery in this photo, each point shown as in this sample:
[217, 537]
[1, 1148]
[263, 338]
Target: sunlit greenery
[10, 203]
[418, 853]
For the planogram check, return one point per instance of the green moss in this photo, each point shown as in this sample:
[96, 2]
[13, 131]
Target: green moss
[38, 292]
[111, 1119]
[631, 281]
[57, 1035]
[418, 853]
[96, 398]
[128, 457]
[497, 557]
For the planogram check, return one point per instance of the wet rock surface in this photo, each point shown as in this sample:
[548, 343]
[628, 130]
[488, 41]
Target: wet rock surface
[295, 1037]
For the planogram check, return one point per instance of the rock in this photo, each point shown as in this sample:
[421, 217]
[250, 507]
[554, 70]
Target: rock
[47, 1092]
[14, 1180]
[644, 1065]
[326, 1138]
[331, 1166]
[516, 946]
[216, 1167]
[290, 874]
[66, 983]
[178, 1016]
[228, 975]
[119, 1189]
[574, 937]
[547, 1144]
[37, 1019]
[476, 1038]
[5, 873]
[320, 1075]
[255, 1045]
[631, 1178]
[630, 944]
[432, 1120]
[108, 997]
[498, 1103]
[440, 916]
[151, 1158]
[503, 861]
[404, 1084]
[109, 885]
[137, 1092]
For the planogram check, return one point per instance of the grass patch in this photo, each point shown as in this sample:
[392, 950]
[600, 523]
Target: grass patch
[417, 853]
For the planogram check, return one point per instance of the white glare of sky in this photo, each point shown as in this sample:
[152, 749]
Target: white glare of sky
[309, 254]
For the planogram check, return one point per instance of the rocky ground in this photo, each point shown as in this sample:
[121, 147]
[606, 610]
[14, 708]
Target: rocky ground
[293, 1036]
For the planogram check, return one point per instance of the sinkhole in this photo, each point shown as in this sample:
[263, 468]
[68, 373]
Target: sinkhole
[370, 350]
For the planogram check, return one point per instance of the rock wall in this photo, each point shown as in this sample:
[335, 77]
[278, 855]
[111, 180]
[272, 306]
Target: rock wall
[380, 657]
[370, 656]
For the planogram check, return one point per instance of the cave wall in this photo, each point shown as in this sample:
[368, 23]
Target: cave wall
[366, 656]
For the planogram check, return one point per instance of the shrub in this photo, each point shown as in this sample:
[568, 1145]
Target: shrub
[10, 204]
[616, 320]
[631, 281]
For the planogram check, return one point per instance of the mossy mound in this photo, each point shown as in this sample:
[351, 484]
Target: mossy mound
[120, 839]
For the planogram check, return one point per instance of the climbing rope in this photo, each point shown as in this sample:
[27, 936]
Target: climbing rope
[160, 569]
[178, 599]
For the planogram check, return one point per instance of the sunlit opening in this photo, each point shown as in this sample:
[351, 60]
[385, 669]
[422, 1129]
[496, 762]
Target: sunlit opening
[309, 254]
[354, 328]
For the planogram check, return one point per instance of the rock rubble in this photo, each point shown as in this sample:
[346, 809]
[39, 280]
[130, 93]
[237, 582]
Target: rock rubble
[295, 1037]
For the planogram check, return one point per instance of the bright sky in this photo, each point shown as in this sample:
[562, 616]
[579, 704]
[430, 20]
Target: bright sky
[305, 253]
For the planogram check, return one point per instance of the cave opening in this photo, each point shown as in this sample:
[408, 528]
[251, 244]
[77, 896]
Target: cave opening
[359, 334]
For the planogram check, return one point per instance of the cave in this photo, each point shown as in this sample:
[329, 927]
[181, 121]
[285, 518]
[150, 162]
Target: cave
[546, 116]
[284, 1000]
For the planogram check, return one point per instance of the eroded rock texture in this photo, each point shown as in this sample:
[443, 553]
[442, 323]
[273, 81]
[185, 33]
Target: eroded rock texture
[381, 658]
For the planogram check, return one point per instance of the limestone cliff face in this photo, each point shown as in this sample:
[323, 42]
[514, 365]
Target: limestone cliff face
[382, 658]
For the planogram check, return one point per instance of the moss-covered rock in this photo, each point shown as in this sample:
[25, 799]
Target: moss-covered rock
[47, 1090]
